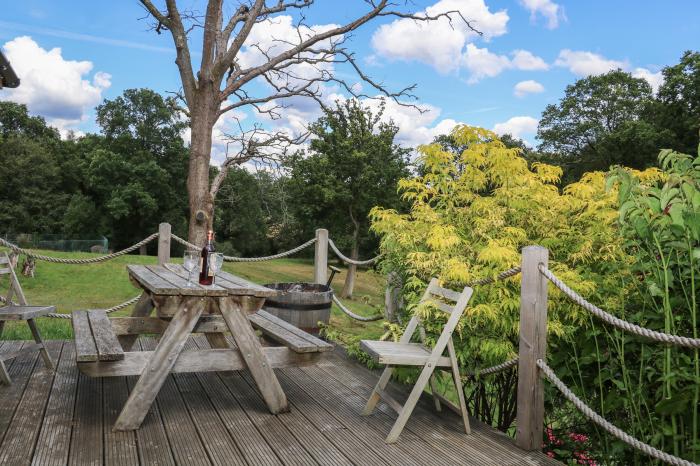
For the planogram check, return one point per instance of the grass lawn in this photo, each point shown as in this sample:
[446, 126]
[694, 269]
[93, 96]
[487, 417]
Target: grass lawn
[99, 286]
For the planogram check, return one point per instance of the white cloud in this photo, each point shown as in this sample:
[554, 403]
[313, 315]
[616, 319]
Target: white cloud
[527, 87]
[524, 60]
[437, 43]
[582, 63]
[279, 34]
[551, 11]
[519, 126]
[52, 86]
[484, 64]
[655, 80]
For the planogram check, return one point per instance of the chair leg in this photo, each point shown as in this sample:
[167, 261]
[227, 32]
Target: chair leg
[458, 385]
[413, 398]
[433, 390]
[4, 375]
[381, 385]
[37, 338]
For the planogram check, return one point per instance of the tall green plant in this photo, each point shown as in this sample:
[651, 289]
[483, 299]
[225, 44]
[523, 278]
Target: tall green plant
[661, 225]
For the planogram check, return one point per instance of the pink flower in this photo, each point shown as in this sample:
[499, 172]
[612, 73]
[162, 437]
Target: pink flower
[550, 454]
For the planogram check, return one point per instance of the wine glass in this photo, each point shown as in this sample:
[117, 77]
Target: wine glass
[189, 262]
[217, 261]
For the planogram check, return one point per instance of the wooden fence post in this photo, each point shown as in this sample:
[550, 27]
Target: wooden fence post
[321, 256]
[392, 297]
[533, 346]
[164, 243]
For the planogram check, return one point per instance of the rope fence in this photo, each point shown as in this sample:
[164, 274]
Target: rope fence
[501, 276]
[607, 426]
[348, 260]
[494, 369]
[353, 315]
[108, 310]
[91, 260]
[617, 322]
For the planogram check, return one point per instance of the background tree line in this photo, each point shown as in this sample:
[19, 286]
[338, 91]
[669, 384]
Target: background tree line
[124, 180]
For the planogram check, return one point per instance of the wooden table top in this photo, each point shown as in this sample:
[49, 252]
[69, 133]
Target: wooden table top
[171, 280]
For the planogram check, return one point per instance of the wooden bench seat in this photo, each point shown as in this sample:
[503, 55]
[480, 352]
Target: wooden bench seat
[401, 354]
[95, 339]
[286, 334]
[24, 312]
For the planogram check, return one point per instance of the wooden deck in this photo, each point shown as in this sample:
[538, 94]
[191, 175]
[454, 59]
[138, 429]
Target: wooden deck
[218, 418]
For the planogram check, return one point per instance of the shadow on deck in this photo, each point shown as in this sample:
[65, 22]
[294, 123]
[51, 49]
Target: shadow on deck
[218, 418]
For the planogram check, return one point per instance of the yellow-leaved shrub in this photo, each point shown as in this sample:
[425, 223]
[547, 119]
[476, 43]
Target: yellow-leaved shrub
[471, 214]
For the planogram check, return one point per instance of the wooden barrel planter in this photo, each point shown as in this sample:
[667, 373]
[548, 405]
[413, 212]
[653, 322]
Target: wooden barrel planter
[303, 305]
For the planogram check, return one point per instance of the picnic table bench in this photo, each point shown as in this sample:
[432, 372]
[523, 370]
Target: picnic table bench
[103, 345]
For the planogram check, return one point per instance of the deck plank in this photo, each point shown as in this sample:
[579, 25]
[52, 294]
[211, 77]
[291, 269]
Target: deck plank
[120, 447]
[184, 439]
[220, 418]
[318, 446]
[488, 445]
[18, 444]
[19, 369]
[374, 428]
[251, 443]
[351, 446]
[86, 446]
[54, 438]
[152, 441]
[216, 439]
[287, 448]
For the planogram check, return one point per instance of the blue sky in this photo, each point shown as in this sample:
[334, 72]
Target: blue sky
[541, 44]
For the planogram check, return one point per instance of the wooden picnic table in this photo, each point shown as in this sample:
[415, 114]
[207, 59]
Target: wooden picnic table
[181, 309]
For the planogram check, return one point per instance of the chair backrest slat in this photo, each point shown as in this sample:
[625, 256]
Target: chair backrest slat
[445, 293]
[433, 295]
[440, 305]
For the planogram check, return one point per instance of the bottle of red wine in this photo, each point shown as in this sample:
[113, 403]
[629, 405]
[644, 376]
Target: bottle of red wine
[206, 274]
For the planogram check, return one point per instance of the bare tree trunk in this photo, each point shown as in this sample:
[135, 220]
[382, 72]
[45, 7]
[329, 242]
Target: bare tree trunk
[201, 201]
[349, 285]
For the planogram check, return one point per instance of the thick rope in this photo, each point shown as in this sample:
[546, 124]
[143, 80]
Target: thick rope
[595, 417]
[353, 315]
[92, 260]
[108, 310]
[184, 242]
[274, 256]
[619, 323]
[346, 259]
[252, 259]
[501, 276]
[494, 369]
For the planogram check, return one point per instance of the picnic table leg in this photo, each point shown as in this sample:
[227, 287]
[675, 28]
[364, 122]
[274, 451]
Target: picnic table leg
[161, 362]
[142, 308]
[234, 310]
[37, 338]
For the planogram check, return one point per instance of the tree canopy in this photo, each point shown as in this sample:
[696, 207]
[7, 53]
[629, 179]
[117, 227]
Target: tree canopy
[352, 165]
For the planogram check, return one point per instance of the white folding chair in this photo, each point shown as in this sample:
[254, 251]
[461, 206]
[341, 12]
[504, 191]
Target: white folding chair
[22, 311]
[405, 353]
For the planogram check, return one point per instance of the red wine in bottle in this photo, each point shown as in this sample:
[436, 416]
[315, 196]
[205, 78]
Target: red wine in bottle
[206, 274]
